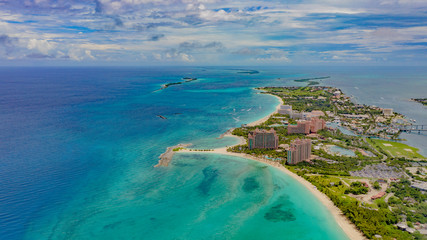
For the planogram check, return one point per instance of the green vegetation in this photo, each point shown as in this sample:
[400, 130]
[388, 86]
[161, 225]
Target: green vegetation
[409, 202]
[369, 221]
[356, 188]
[397, 149]
[376, 185]
[296, 91]
[170, 84]
[381, 203]
[405, 192]
[270, 154]
[304, 98]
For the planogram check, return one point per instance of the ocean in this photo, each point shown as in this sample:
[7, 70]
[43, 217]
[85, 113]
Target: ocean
[78, 146]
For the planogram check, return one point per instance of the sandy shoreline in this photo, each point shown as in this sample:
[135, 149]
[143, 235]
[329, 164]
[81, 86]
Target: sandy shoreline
[258, 122]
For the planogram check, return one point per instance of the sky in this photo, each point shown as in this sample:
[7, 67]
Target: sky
[213, 32]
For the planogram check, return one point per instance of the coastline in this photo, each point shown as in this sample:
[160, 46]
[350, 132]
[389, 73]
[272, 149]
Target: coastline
[346, 225]
[260, 121]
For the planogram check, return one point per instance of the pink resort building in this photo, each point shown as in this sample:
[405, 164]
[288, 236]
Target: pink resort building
[263, 139]
[307, 126]
[317, 124]
[300, 150]
[302, 127]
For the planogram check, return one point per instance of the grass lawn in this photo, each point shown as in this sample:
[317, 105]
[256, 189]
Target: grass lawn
[398, 149]
[297, 92]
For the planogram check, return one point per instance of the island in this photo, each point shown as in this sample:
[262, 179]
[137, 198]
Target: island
[186, 80]
[310, 81]
[250, 72]
[347, 154]
[189, 79]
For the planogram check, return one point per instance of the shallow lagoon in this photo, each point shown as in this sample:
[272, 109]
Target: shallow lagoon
[341, 151]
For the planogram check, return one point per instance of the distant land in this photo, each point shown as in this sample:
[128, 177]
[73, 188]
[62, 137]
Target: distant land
[245, 71]
[310, 80]
[420, 100]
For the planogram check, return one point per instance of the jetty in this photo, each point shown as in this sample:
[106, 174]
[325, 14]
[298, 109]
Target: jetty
[166, 157]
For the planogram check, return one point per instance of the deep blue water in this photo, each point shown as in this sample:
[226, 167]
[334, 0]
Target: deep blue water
[77, 146]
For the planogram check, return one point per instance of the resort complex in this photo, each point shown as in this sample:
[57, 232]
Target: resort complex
[322, 136]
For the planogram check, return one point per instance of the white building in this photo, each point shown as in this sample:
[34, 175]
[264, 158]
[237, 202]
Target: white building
[387, 112]
[285, 109]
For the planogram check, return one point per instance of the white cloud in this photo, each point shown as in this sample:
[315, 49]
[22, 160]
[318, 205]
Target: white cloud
[89, 54]
[277, 31]
[102, 47]
[220, 15]
[186, 58]
[78, 54]
[274, 55]
[75, 54]
[43, 46]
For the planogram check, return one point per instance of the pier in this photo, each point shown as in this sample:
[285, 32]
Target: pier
[413, 128]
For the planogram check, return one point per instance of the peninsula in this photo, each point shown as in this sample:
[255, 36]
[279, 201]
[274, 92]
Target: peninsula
[374, 187]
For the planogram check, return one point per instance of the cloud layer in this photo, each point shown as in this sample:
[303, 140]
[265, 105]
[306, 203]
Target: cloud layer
[213, 31]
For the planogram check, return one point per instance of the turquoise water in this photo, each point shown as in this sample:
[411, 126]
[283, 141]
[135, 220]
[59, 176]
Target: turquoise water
[203, 196]
[342, 129]
[79, 146]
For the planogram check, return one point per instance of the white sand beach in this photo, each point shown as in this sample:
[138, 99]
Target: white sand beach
[258, 122]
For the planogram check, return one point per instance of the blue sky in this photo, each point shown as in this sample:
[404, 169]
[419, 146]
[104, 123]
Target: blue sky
[213, 32]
